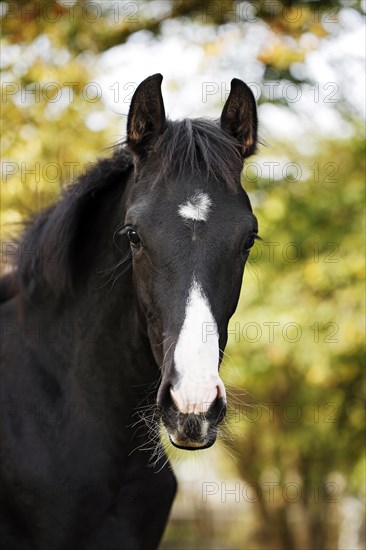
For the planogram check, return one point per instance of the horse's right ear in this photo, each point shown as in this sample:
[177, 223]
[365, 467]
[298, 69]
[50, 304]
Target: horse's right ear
[146, 117]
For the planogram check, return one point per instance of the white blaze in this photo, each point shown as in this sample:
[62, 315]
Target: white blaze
[196, 208]
[196, 356]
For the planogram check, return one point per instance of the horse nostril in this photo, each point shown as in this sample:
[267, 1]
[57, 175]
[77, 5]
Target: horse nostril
[217, 411]
[164, 399]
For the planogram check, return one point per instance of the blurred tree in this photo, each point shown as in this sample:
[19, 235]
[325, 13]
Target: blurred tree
[49, 54]
[301, 351]
[117, 21]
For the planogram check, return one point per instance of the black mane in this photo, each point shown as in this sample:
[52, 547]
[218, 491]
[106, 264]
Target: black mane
[47, 250]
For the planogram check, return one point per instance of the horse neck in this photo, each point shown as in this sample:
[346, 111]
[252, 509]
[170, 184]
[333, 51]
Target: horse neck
[96, 352]
[114, 345]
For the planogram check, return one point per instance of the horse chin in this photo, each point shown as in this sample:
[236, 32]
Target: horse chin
[191, 445]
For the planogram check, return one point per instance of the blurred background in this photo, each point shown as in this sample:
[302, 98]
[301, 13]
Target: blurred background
[288, 470]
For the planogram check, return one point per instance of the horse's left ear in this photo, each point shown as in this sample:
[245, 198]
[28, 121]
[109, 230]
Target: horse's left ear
[146, 117]
[239, 116]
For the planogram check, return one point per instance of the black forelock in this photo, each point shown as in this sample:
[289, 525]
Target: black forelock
[198, 146]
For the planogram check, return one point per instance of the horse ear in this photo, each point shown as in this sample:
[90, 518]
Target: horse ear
[146, 117]
[239, 116]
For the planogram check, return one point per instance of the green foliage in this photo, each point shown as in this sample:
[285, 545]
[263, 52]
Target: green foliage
[304, 421]
[51, 50]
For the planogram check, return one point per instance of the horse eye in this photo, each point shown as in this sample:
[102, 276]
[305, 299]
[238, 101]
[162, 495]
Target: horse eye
[249, 242]
[133, 237]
